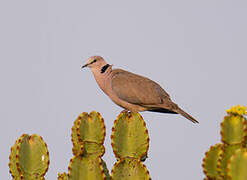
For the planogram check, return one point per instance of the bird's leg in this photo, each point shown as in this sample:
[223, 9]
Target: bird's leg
[125, 111]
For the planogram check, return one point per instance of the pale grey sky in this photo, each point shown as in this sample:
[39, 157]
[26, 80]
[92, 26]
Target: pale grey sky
[196, 50]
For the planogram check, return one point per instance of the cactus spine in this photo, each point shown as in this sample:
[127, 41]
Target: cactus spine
[130, 143]
[228, 160]
[63, 176]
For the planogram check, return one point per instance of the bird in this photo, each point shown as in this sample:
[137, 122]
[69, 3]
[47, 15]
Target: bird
[131, 91]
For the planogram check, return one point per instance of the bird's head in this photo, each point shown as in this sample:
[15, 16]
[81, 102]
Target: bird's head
[96, 63]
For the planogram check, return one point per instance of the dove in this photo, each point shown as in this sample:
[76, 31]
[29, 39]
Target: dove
[132, 92]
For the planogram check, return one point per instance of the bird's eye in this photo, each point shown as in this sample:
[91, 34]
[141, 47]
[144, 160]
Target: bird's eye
[94, 61]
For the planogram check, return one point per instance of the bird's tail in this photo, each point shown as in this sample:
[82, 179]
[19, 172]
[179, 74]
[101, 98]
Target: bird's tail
[172, 108]
[186, 115]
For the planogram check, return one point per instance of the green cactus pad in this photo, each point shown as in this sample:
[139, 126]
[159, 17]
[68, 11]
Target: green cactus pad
[32, 157]
[233, 129]
[225, 155]
[129, 169]
[93, 149]
[210, 161]
[130, 136]
[63, 176]
[237, 166]
[90, 130]
[85, 168]
[12, 161]
[91, 127]
[77, 145]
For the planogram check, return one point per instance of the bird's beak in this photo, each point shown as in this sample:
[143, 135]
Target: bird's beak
[84, 66]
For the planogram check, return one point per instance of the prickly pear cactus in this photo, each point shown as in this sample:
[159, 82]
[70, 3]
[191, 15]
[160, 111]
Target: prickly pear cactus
[88, 135]
[29, 158]
[130, 143]
[226, 160]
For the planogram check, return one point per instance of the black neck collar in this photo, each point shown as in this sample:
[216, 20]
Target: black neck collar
[104, 68]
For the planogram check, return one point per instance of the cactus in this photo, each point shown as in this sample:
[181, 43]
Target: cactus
[29, 158]
[227, 160]
[88, 135]
[130, 143]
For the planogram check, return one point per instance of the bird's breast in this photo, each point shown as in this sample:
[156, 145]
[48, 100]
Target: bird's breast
[104, 83]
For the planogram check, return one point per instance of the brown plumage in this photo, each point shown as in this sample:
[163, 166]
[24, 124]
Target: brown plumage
[131, 91]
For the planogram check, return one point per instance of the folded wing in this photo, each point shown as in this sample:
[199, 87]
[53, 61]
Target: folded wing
[137, 89]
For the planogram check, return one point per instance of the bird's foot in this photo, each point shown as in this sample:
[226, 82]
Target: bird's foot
[128, 112]
[125, 111]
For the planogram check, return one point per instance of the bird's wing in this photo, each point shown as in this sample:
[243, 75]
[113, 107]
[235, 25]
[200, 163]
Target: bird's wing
[137, 89]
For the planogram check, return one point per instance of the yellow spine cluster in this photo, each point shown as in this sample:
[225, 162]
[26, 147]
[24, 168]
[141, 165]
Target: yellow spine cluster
[237, 110]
